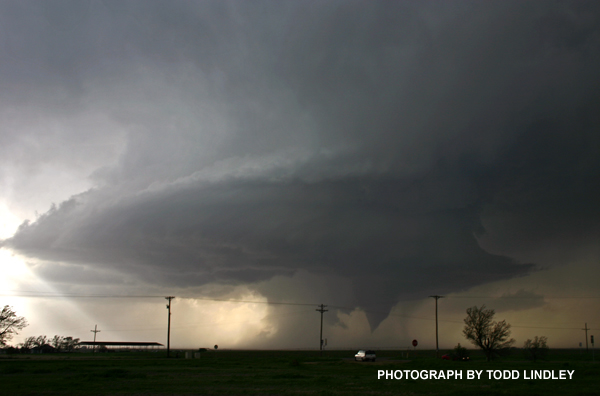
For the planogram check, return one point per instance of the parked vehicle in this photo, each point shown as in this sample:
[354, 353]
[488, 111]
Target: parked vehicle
[365, 356]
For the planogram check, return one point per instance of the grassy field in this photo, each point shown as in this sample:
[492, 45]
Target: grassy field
[281, 373]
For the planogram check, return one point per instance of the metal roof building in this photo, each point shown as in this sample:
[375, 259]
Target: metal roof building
[122, 345]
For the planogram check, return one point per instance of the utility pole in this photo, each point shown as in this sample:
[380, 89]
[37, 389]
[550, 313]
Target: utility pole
[95, 331]
[437, 345]
[169, 326]
[321, 309]
[586, 337]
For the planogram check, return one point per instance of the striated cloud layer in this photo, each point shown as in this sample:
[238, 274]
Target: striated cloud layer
[405, 148]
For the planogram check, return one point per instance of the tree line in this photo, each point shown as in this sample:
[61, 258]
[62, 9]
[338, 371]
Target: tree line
[480, 329]
[11, 324]
[44, 344]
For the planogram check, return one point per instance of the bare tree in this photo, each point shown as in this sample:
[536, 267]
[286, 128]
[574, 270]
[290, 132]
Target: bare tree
[482, 331]
[10, 324]
[536, 349]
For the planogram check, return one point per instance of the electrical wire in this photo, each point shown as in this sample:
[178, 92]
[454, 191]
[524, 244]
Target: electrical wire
[36, 294]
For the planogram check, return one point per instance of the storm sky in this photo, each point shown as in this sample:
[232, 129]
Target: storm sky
[360, 154]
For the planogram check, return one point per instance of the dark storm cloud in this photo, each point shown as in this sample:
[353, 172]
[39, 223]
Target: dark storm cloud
[363, 140]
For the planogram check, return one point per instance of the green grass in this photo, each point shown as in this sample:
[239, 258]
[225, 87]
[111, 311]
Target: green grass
[279, 373]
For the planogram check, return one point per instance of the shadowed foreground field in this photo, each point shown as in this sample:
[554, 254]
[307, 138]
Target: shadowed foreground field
[279, 373]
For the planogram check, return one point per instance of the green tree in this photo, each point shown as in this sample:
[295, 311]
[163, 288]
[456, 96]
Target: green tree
[10, 324]
[536, 348]
[481, 330]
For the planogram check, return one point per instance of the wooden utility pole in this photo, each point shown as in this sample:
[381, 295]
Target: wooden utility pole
[586, 337]
[437, 345]
[95, 331]
[321, 309]
[169, 326]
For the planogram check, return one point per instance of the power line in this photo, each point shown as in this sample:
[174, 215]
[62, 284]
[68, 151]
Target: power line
[207, 324]
[36, 294]
[201, 324]
[211, 324]
[530, 297]
[76, 296]
[523, 326]
[148, 296]
[549, 328]
[253, 302]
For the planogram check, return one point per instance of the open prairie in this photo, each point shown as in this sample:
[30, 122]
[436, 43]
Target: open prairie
[283, 373]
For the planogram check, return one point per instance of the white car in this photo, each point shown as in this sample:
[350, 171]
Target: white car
[364, 356]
